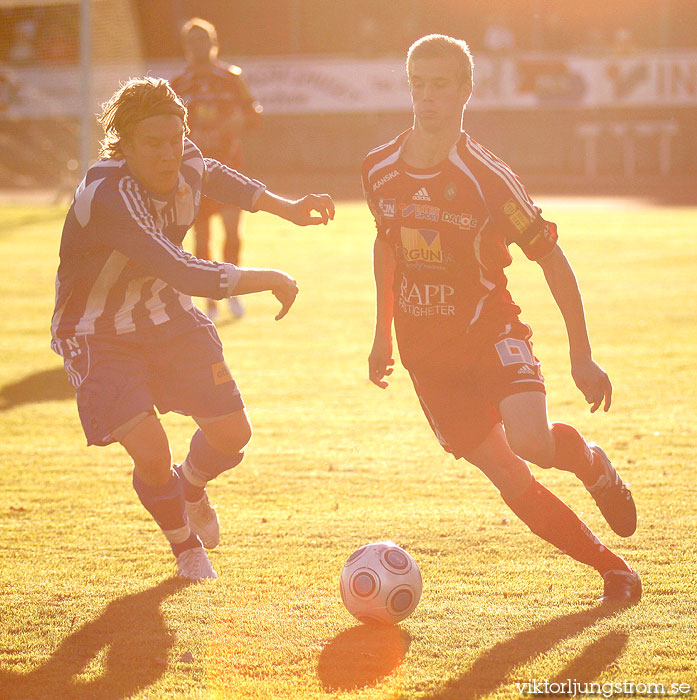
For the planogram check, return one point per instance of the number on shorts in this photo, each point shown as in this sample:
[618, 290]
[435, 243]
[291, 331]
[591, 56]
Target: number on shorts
[514, 352]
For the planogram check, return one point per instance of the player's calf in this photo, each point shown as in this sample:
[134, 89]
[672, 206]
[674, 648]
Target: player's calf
[590, 464]
[203, 464]
[165, 502]
[573, 454]
[551, 519]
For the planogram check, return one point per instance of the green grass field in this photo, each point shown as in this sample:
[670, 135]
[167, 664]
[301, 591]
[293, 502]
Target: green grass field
[89, 604]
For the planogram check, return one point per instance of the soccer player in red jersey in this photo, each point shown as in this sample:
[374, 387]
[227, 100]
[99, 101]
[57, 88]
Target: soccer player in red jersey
[446, 211]
[124, 322]
[220, 109]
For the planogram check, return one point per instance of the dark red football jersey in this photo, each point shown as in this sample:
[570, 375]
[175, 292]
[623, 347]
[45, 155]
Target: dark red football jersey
[449, 228]
[212, 97]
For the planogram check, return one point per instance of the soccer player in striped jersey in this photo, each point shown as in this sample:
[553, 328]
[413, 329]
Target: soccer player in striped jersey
[124, 322]
[220, 108]
[447, 210]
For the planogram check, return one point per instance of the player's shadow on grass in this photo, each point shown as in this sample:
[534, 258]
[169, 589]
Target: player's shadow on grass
[493, 668]
[362, 656]
[47, 385]
[130, 639]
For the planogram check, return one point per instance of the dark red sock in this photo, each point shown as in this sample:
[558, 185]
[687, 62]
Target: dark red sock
[572, 454]
[552, 520]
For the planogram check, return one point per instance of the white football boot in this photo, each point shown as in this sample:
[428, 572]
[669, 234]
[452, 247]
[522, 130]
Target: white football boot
[194, 564]
[203, 521]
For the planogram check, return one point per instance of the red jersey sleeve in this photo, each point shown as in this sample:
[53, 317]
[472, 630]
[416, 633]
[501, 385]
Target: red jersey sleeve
[374, 205]
[511, 207]
[537, 239]
[522, 221]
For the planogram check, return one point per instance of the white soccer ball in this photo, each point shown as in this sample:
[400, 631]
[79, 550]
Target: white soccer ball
[380, 583]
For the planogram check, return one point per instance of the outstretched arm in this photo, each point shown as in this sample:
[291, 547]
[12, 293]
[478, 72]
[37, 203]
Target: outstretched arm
[281, 285]
[231, 187]
[589, 377]
[380, 360]
[298, 211]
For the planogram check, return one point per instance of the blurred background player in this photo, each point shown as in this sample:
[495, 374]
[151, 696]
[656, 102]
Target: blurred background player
[446, 211]
[124, 322]
[220, 109]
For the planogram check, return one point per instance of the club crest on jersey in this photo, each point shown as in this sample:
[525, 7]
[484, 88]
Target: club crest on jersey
[450, 192]
[420, 211]
[516, 215]
[421, 246]
[421, 195]
[388, 207]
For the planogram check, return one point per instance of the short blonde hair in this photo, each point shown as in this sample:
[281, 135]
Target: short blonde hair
[135, 100]
[441, 45]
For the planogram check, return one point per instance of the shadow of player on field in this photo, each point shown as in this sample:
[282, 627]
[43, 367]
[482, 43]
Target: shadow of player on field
[493, 668]
[47, 385]
[362, 656]
[134, 637]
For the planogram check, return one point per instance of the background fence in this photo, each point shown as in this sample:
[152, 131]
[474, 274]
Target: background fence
[578, 96]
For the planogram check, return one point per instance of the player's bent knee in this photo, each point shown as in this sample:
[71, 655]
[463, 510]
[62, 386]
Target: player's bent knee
[527, 427]
[233, 442]
[529, 452]
[229, 435]
[533, 449]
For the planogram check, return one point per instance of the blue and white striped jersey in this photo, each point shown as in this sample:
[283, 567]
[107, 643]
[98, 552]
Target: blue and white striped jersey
[122, 268]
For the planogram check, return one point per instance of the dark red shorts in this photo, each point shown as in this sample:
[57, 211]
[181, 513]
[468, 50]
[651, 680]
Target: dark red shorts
[462, 407]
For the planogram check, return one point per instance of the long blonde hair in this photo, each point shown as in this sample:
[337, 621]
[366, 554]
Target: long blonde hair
[135, 100]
